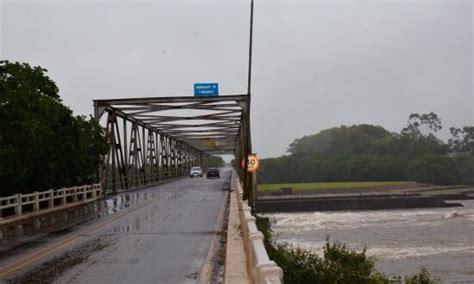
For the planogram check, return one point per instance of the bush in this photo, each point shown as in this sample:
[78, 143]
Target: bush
[466, 168]
[338, 264]
[434, 170]
[423, 277]
[349, 167]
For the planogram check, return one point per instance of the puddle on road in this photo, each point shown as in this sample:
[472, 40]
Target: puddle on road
[37, 230]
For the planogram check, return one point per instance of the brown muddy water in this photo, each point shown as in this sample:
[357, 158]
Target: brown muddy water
[402, 241]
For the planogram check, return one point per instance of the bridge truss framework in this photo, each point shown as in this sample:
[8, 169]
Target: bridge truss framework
[157, 139]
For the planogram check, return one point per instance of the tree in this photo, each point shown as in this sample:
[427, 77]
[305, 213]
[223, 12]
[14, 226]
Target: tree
[434, 170]
[22, 79]
[422, 126]
[461, 145]
[42, 145]
[462, 141]
[370, 153]
[466, 168]
[215, 162]
[355, 139]
[418, 137]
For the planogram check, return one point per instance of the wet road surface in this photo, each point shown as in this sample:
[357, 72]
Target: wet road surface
[155, 235]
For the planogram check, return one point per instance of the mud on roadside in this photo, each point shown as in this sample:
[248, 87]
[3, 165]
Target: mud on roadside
[50, 270]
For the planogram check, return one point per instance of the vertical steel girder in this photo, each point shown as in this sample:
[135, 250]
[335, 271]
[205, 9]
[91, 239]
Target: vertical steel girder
[242, 150]
[152, 156]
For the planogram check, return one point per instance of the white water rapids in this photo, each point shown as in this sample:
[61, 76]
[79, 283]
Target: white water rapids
[440, 239]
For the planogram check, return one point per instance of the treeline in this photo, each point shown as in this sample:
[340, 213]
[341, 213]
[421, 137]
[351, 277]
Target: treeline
[42, 144]
[371, 153]
[215, 162]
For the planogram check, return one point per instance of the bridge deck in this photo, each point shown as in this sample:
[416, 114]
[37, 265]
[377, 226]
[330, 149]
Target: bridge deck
[164, 238]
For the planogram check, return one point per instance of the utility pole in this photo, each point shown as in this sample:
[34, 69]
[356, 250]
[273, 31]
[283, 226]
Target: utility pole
[250, 50]
[249, 177]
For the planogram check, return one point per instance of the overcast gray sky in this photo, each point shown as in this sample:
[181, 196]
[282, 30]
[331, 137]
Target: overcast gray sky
[317, 64]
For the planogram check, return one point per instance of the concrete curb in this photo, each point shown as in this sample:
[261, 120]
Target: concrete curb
[259, 266]
[235, 266]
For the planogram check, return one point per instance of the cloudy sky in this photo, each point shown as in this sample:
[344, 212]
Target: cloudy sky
[317, 64]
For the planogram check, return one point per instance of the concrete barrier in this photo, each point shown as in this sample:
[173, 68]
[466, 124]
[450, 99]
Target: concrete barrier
[51, 200]
[259, 266]
[354, 203]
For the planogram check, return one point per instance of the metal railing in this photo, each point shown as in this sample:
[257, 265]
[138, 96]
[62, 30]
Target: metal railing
[21, 205]
[116, 184]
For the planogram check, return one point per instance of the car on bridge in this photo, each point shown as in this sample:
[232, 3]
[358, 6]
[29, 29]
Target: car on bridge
[213, 172]
[195, 172]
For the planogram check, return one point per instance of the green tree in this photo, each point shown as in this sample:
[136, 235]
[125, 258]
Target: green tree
[422, 125]
[462, 141]
[434, 170]
[461, 145]
[215, 162]
[42, 145]
[355, 139]
[418, 137]
[371, 153]
[466, 168]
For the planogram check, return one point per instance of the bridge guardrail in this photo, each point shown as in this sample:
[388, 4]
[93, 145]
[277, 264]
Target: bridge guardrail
[259, 266]
[143, 182]
[18, 206]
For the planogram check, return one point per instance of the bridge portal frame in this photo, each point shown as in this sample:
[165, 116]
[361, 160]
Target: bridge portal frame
[150, 142]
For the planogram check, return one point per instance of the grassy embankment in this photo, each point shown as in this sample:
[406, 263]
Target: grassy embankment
[331, 185]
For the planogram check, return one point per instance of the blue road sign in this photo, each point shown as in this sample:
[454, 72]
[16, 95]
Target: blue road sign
[206, 89]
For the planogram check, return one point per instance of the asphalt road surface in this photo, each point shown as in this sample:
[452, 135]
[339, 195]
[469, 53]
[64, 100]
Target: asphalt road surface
[164, 237]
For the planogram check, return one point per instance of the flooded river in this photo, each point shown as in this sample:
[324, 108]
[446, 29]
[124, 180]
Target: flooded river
[402, 241]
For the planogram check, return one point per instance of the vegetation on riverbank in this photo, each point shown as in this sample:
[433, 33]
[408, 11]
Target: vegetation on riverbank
[339, 264]
[371, 153]
[331, 185]
[215, 162]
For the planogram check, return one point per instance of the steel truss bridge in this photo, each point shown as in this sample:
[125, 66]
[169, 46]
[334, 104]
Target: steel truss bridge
[157, 139]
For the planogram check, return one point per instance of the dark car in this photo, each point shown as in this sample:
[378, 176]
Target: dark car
[213, 172]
